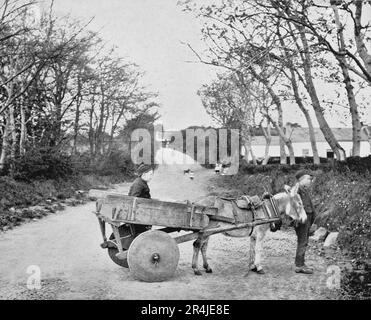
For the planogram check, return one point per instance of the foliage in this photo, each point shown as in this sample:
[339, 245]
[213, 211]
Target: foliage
[116, 163]
[60, 82]
[13, 193]
[347, 199]
[18, 194]
[43, 163]
[357, 164]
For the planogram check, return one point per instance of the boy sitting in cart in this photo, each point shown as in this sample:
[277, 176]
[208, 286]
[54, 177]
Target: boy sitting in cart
[140, 188]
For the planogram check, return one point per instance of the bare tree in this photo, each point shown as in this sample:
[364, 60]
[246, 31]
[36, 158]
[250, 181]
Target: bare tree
[58, 81]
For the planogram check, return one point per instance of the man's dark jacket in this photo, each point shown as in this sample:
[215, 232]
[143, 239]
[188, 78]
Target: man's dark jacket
[139, 189]
[307, 202]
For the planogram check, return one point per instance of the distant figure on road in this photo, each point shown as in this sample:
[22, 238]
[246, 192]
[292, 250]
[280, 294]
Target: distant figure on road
[225, 166]
[191, 175]
[218, 168]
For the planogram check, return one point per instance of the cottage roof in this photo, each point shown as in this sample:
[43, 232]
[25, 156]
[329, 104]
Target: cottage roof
[302, 135]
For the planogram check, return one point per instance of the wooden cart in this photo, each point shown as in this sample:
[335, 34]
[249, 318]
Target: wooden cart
[153, 255]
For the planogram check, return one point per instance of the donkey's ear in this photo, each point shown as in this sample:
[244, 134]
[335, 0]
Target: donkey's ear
[295, 189]
[287, 188]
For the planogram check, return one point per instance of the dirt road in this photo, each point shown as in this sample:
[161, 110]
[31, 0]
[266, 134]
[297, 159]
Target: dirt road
[65, 248]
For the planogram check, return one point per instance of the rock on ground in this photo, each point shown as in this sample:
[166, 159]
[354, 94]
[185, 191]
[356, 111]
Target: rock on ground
[320, 234]
[331, 239]
[313, 229]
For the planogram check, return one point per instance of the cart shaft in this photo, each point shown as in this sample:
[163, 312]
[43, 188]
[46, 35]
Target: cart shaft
[211, 231]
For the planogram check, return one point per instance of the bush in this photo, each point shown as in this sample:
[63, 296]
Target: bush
[44, 163]
[116, 163]
[356, 164]
[348, 198]
[298, 160]
[13, 193]
[82, 163]
[270, 168]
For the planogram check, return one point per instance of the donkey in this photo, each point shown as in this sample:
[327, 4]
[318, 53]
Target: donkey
[288, 203]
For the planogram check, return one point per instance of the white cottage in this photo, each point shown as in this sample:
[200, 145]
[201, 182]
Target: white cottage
[302, 147]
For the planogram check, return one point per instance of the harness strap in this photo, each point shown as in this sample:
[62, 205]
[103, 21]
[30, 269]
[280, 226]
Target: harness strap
[274, 226]
[247, 198]
[227, 198]
[234, 210]
[253, 219]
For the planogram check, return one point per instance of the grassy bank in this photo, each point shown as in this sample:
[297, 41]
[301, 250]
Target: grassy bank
[45, 176]
[19, 194]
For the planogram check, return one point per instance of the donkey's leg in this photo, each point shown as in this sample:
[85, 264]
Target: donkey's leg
[252, 251]
[204, 257]
[260, 234]
[196, 251]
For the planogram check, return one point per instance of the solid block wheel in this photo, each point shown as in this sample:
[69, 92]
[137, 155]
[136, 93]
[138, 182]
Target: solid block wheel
[153, 256]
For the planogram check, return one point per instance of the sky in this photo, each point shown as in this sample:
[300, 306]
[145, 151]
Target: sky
[150, 33]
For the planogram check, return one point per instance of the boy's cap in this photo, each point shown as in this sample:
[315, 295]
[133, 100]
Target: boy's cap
[301, 173]
[143, 168]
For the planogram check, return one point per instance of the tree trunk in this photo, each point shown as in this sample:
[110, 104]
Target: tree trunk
[356, 123]
[13, 132]
[5, 142]
[277, 102]
[299, 102]
[361, 47]
[325, 128]
[291, 152]
[268, 140]
[367, 131]
[99, 132]
[287, 139]
[23, 134]
[76, 128]
[57, 125]
[284, 137]
[112, 134]
[77, 116]
[249, 150]
[283, 156]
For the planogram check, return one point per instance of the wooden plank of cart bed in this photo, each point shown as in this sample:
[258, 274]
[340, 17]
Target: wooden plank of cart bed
[107, 219]
[156, 212]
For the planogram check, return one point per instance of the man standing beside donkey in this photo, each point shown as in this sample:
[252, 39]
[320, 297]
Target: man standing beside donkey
[305, 181]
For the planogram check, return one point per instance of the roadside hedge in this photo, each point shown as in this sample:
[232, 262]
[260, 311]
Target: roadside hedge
[351, 164]
[43, 163]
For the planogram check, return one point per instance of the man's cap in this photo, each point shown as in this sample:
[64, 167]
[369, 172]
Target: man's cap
[302, 173]
[143, 168]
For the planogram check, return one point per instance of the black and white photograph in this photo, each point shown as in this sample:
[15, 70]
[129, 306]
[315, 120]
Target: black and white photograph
[198, 151]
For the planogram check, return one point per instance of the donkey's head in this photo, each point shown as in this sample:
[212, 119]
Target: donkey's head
[290, 203]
